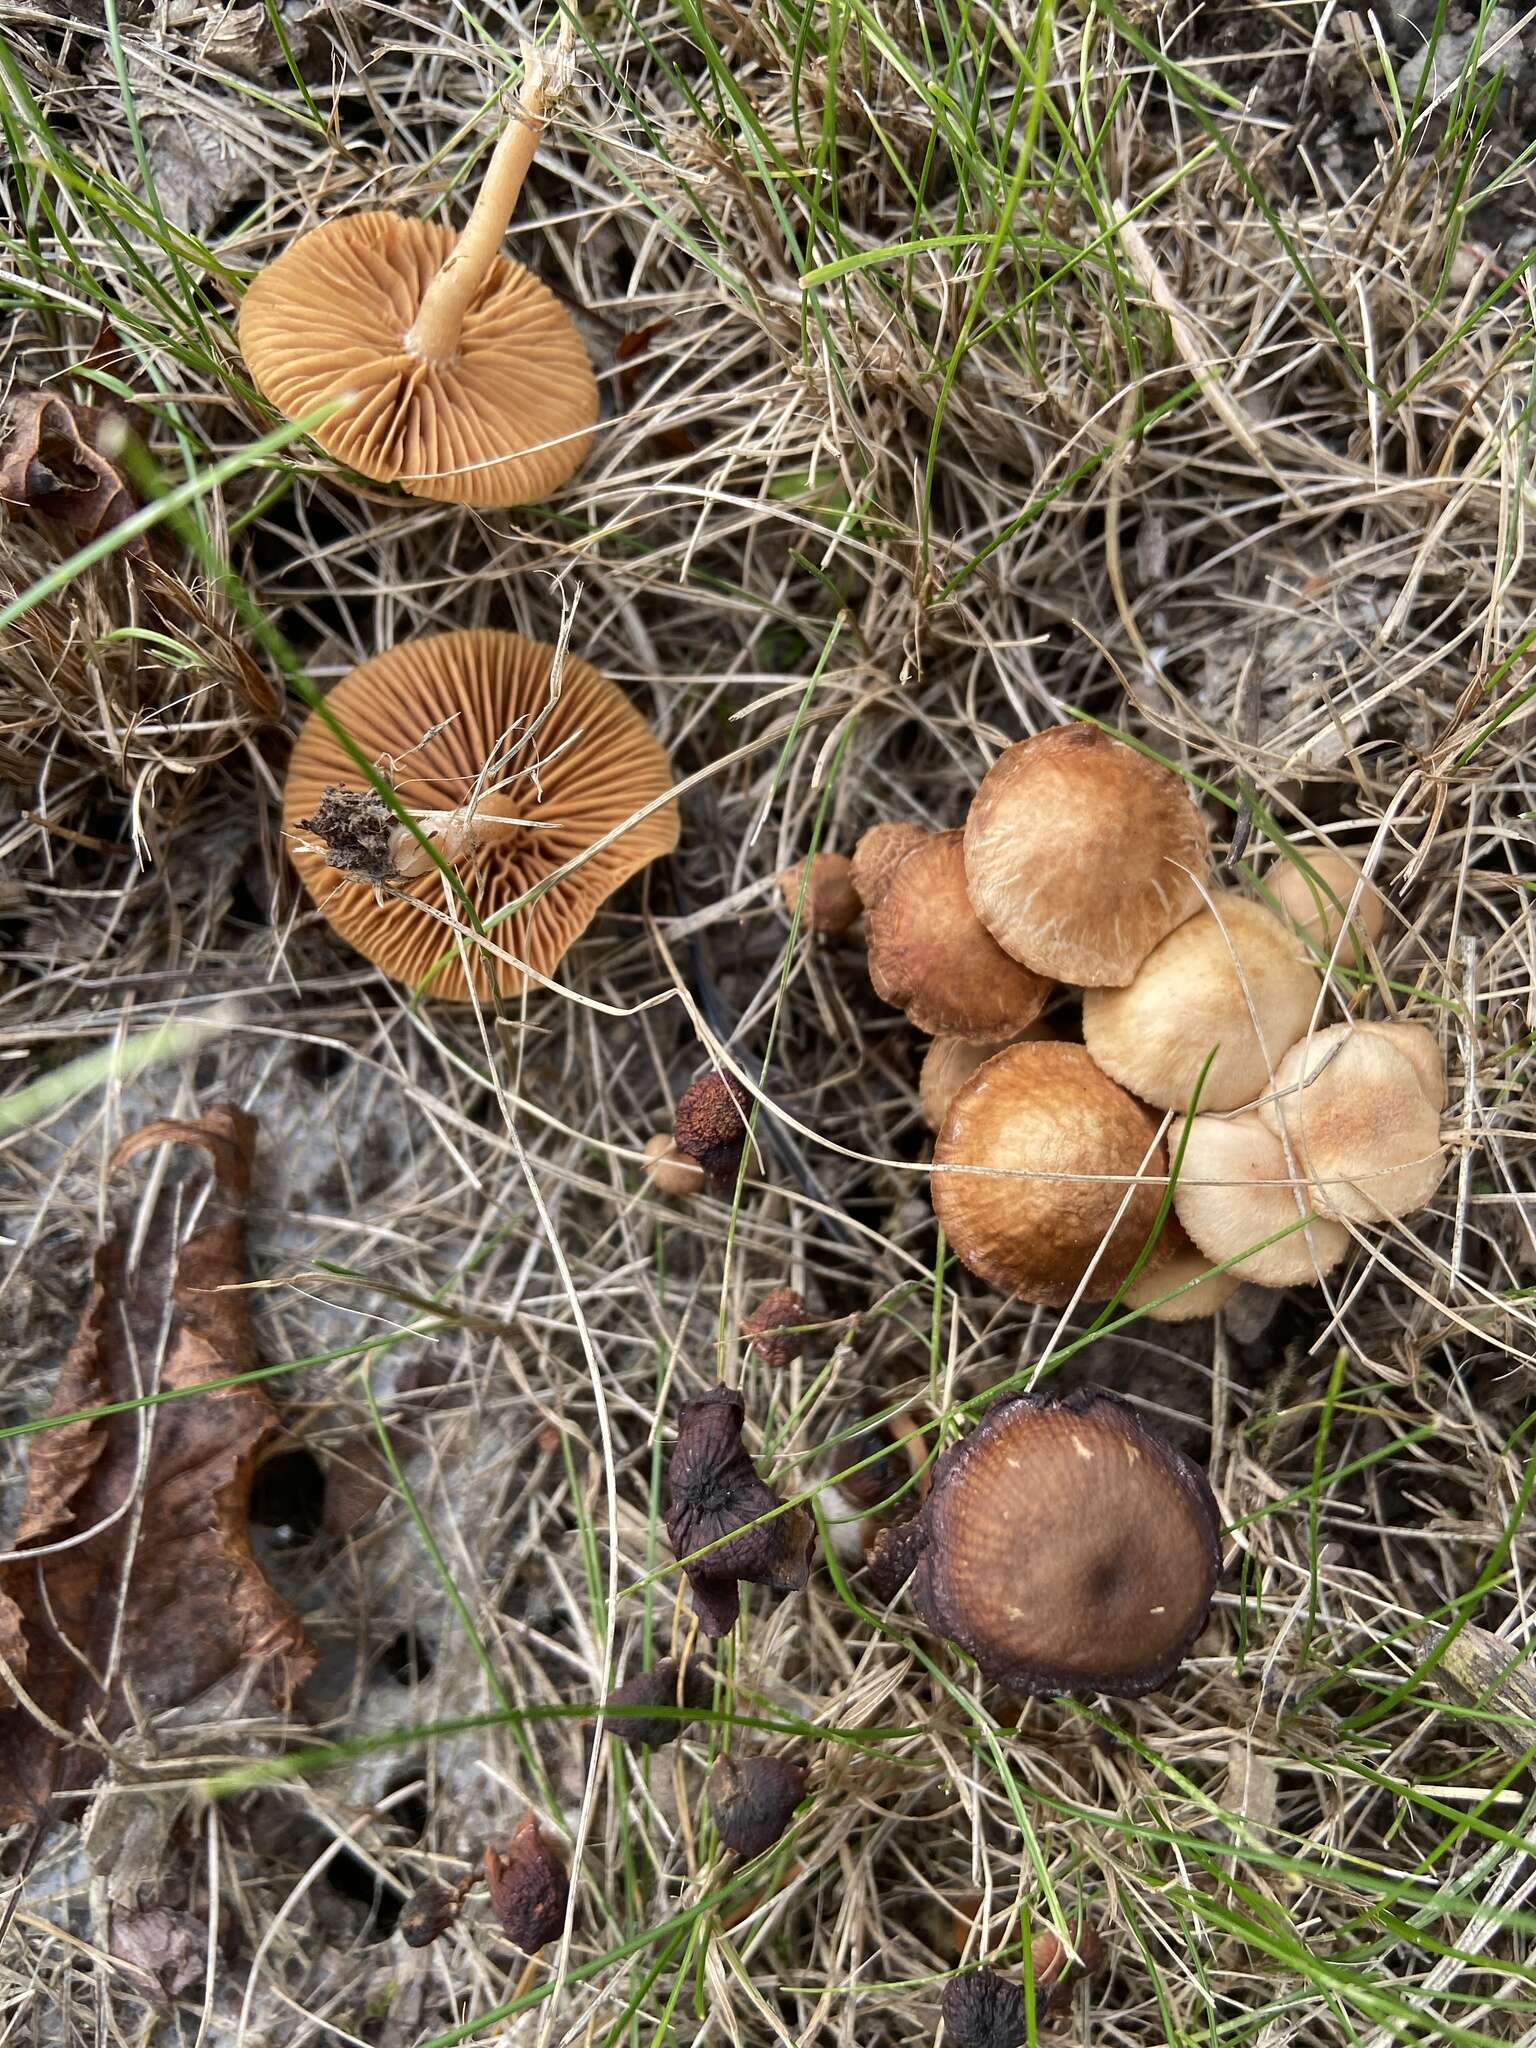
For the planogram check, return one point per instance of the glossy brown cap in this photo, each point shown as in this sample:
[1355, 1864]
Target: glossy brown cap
[1068, 1548]
[1361, 1106]
[826, 898]
[1062, 1142]
[930, 955]
[950, 1062]
[1231, 984]
[441, 708]
[1236, 1189]
[878, 855]
[504, 422]
[1081, 854]
[669, 1171]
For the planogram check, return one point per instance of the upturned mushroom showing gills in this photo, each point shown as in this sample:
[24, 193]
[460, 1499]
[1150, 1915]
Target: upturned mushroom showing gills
[1080, 854]
[460, 375]
[510, 774]
[1053, 1147]
[717, 1504]
[1067, 1547]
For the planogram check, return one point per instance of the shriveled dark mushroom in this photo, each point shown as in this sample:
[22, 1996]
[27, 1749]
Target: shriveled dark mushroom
[432, 1909]
[1066, 1546]
[710, 1125]
[751, 1800]
[631, 1711]
[717, 1504]
[983, 2010]
[776, 1327]
[529, 1888]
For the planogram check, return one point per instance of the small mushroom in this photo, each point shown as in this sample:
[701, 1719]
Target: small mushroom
[752, 1798]
[827, 901]
[930, 955]
[1181, 1271]
[714, 1493]
[709, 1125]
[511, 773]
[1231, 983]
[1066, 1546]
[1055, 1968]
[1319, 890]
[1236, 1188]
[529, 1888]
[1359, 1104]
[461, 376]
[877, 856]
[950, 1062]
[681, 1693]
[776, 1327]
[669, 1171]
[1060, 1145]
[877, 1475]
[983, 2010]
[432, 1909]
[1081, 854]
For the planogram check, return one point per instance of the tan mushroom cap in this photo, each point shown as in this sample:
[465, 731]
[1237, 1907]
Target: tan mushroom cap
[1230, 980]
[930, 955]
[441, 708]
[1421, 1049]
[503, 421]
[1316, 889]
[1182, 1272]
[1352, 1101]
[1063, 1144]
[1080, 854]
[820, 889]
[879, 853]
[1235, 1189]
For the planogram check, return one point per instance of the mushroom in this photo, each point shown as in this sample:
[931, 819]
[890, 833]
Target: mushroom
[1361, 1105]
[1066, 1546]
[1230, 981]
[950, 1062]
[461, 377]
[1319, 889]
[983, 2010]
[878, 855]
[709, 1125]
[529, 1888]
[630, 1712]
[432, 1909]
[1235, 1189]
[1081, 853]
[717, 1504]
[930, 955]
[1180, 1271]
[751, 1800]
[451, 719]
[776, 1328]
[827, 900]
[669, 1171]
[1061, 1145]
[877, 1475]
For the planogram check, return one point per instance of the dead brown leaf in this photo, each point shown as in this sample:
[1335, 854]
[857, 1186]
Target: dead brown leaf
[56, 461]
[140, 1591]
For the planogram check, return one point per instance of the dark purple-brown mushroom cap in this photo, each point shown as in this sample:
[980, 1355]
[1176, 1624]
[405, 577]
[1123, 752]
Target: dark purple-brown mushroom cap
[776, 1327]
[983, 2010]
[429, 1912]
[653, 1707]
[1066, 1546]
[751, 1800]
[529, 1888]
[716, 1503]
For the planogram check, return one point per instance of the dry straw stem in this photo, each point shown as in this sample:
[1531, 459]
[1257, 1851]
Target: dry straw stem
[842, 543]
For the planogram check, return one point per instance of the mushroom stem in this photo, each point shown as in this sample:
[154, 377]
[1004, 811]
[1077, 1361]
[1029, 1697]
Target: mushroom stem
[456, 835]
[434, 334]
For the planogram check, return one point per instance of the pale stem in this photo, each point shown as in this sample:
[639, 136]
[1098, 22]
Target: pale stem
[455, 834]
[434, 336]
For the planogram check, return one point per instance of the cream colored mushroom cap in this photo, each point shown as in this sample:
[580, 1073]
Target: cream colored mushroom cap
[1180, 1270]
[1064, 1144]
[1421, 1049]
[1353, 1104]
[1316, 895]
[505, 422]
[1235, 1189]
[1231, 980]
[1080, 854]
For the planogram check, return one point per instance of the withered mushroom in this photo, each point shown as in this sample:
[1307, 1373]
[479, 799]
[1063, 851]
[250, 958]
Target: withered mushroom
[983, 2010]
[878, 1476]
[776, 1328]
[1361, 1106]
[462, 377]
[752, 1798]
[1066, 1546]
[825, 898]
[709, 1125]
[653, 1707]
[1231, 984]
[930, 955]
[1059, 1144]
[529, 1888]
[1081, 854]
[714, 1493]
[510, 777]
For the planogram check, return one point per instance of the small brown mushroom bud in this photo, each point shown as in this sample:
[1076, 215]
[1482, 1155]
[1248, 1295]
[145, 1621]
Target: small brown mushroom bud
[1066, 1546]
[432, 1909]
[776, 1329]
[877, 856]
[669, 1171]
[529, 1888]
[658, 1687]
[1054, 1969]
[751, 1800]
[710, 1125]
[830, 901]
[714, 1493]
[983, 2010]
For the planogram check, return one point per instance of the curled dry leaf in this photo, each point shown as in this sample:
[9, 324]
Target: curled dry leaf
[56, 461]
[142, 1593]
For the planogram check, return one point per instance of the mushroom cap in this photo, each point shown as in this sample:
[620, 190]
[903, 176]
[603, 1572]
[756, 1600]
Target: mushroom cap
[669, 1171]
[831, 902]
[1231, 980]
[878, 854]
[983, 2010]
[709, 1125]
[947, 1065]
[1068, 1547]
[930, 955]
[1235, 1189]
[1315, 890]
[503, 423]
[1352, 1102]
[1045, 1110]
[1421, 1049]
[1179, 1264]
[1080, 854]
[752, 1800]
[442, 707]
